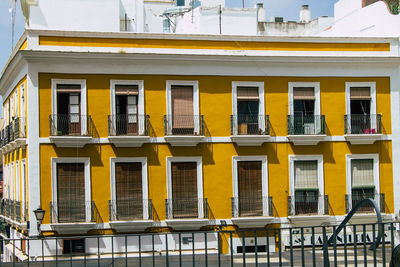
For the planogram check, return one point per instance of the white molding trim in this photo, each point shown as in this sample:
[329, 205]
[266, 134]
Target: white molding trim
[83, 100]
[145, 190]
[264, 178]
[316, 85]
[87, 178]
[320, 166]
[141, 102]
[375, 157]
[199, 163]
[196, 98]
[371, 85]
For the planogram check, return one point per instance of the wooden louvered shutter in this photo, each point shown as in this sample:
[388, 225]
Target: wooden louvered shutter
[71, 192]
[360, 93]
[247, 93]
[184, 189]
[182, 107]
[303, 93]
[124, 89]
[129, 195]
[250, 188]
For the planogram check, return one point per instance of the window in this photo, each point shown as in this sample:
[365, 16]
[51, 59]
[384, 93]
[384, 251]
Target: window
[129, 193]
[22, 113]
[71, 190]
[69, 107]
[24, 189]
[183, 108]
[73, 246]
[304, 108]
[185, 190]
[127, 107]
[250, 186]
[306, 184]
[361, 109]
[248, 108]
[363, 180]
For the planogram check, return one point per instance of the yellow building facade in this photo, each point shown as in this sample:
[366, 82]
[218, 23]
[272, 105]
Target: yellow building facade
[243, 133]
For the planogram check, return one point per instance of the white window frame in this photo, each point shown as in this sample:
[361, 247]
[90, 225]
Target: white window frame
[145, 187]
[196, 107]
[261, 101]
[17, 182]
[320, 172]
[199, 168]
[87, 179]
[264, 178]
[140, 84]
[372, 86]
[317, 104]
[350, 157]
[83, 97]
[12, 183]
[23, 187]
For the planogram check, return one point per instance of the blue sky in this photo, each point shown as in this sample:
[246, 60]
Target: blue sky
[289, 9]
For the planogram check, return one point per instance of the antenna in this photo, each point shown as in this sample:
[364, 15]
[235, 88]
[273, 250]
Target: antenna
[13, 8]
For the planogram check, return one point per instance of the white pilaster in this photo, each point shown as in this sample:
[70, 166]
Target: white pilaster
[395, 110]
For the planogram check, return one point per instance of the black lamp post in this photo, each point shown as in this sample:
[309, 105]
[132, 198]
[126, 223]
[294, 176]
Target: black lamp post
[39, 214]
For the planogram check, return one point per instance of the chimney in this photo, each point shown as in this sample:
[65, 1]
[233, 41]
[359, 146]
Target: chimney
[261, 14]
[305, 14]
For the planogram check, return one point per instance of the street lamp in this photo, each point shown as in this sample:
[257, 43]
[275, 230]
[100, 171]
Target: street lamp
[39, 214]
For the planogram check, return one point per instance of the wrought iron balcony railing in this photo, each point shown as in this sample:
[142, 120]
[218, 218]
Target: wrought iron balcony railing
[130, 125]
[184, 125]
[363, 124]
[19, 127]
[72, 211]
[307, 204]
[306, 125]
[251, 206]
[70, 125]
[186, 208]
[130, 209]
[249, 124]
[354, 198]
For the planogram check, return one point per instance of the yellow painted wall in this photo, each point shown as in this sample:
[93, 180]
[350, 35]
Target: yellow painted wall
[217, 171]
[210, 44]
[216, 100]
[18, 88]
[216, 106]
[20, 153]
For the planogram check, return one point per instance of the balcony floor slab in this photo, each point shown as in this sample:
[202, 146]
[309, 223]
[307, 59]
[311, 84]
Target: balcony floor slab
[250, 140]
[128, 141]
[70, 141]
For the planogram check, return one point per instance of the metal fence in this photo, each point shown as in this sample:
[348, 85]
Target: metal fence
[363, 124]
[130, 209]
[124, 124]
[70, 125]
[184, 125]
[296, 246]
[249, 124]
[306, 124]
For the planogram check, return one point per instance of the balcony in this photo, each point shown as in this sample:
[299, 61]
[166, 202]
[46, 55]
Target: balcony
[130, 214]
[353, 199]
[13, 136]
[249, 130]
[68, 130]
[308, 208]
[252, 211]
[306, 130]
[128, 130]
[184, 130]
[363, 129]
[186, 213]
[13, 212]
[73, 217]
